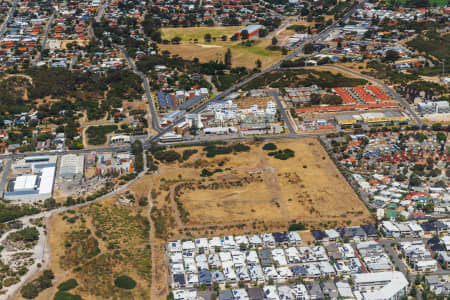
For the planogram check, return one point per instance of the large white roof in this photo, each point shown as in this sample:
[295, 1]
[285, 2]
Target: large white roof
[47, 179]
[396, 281]
[26, 182]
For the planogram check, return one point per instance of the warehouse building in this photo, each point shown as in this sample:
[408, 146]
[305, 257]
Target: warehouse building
[32, 187]
[71, 166]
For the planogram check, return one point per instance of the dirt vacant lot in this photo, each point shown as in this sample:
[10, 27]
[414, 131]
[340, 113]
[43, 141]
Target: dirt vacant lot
[249, 187]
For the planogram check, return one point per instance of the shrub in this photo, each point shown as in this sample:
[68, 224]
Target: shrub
[270, 147]
[143, 201]
[206, 173]
[125, 282]
[62, 295]
[29, 291]
[295, 227]
[282, 154]
[188, 153]
[68, 285]
[28, 234]
[167, 156]
[241, 147]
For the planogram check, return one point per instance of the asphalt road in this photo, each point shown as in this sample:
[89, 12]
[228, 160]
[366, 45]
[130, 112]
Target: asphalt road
[283, 113]
[44, 40]
[151, 104]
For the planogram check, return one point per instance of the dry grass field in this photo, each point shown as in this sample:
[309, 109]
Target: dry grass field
[307, 188]
[252, 192]
[242, 56]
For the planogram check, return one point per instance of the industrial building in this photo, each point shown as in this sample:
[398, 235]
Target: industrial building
[34, 164]
[71, 166]
[32, 187]
[372, 118]
[33, 178]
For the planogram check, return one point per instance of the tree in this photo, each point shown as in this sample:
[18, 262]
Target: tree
[308, 48]
[228, 58]
[414, 181]
[262, 32]
[49, 203]
[176, 40]
[392, 55]
[274, 41]
[258, 64]
[441, 137]
[224, 38]
[208, 37]
[29, 291]
[125, 282]
[244, 35]
[436, 126]
[304, 11]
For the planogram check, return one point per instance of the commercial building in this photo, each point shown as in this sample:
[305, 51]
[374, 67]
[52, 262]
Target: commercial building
[71, 166]
[372, 118]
